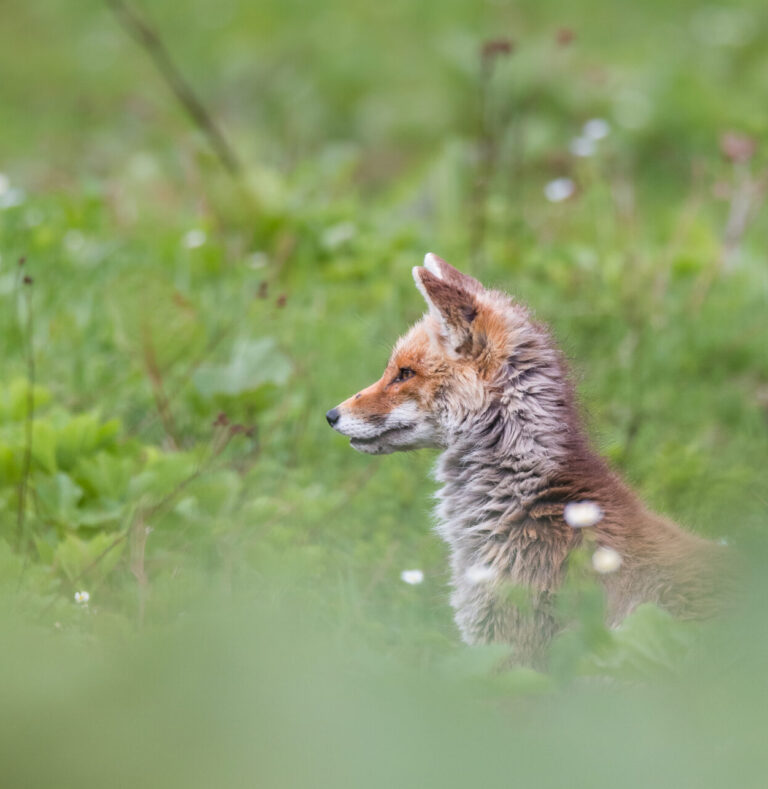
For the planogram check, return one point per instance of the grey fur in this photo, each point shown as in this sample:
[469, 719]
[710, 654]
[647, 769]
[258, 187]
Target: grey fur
[500, 457]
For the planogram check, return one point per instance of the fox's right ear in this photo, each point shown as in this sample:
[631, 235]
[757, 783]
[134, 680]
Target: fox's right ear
[446, 271]
[453, 306]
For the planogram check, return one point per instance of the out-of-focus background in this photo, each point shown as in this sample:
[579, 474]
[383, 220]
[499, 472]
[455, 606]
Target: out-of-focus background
[208, 216]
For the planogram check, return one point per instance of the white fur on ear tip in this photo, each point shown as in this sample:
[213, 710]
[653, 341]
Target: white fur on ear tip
[432, 265]
[420, 285]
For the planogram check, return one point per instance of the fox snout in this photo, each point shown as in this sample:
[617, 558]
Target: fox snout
[355, 423]
[380, 428]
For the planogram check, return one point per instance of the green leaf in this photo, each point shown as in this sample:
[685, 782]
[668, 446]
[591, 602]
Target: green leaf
[649, 642]
[105, 475]
[10, 465]
[77, 436]
[14, 399]
[44, 446]
[103, 514]
[96, 557]
[162, 474]
[58, 497]
[253, 364]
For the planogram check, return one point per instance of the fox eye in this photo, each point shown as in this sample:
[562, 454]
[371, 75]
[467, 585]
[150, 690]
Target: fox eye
[403, 375]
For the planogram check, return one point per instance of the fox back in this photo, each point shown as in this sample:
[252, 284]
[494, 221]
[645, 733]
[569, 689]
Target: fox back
[482, 381]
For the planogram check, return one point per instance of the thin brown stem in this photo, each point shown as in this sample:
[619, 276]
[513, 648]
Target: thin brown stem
[29, 417]
[486, 155]
[158, 389]
[148, 38]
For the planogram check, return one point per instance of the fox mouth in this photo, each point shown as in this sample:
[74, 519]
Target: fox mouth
[379, 444]
[404, 428]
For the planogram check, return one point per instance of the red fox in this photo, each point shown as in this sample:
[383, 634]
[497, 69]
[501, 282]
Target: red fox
[479, 379]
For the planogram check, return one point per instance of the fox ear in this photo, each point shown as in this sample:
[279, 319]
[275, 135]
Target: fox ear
[454, 307]
[447, 272]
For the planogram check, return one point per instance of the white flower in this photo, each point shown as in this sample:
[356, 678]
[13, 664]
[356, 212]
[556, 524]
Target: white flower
[194, 238]
[605, 560]
[338, 235]
[582, 146]
[560, 189]
[257, 260]
[581, 514]
[143, 166]
[82, 597]
[596, 129]
[412, 577]
[74, 241]
[11, 197]
[479, 573]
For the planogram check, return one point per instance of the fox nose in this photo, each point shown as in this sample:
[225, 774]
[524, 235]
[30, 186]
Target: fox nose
[333, 416]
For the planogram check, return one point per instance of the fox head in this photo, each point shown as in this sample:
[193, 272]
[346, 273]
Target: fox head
[449, 370]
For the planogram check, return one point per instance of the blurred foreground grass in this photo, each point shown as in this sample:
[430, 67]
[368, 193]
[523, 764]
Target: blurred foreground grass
[246, 622]
[240, 697]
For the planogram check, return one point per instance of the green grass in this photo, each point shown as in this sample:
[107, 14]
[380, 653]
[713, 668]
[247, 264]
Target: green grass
[247, 624]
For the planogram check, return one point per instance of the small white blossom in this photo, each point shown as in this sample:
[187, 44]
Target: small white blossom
[605, 560]
[194, 238]
[582, 146]
[582, 514]
[82, 597]
[257, 260]
[11, 197]
[143, 166]
[412, 577]
[596, 129]
[560, 189]
[74, 241]
[479, 573]
[338, 235]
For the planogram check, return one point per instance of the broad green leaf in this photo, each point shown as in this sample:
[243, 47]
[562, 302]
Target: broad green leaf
[648, 642]
[105, 475]
[14, 400]
[162, 475]
[57, 498]
[44, 445]
[253, 364]
[94, 558]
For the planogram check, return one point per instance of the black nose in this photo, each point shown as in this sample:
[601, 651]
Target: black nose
[333, 416]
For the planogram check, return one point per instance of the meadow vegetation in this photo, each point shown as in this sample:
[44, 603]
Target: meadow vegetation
[174, 330]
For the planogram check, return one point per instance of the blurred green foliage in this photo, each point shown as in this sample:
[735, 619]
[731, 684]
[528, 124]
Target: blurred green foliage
[246, 622]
